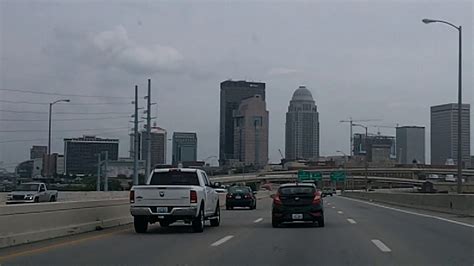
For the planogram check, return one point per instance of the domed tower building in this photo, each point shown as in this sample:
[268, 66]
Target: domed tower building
[302, 127]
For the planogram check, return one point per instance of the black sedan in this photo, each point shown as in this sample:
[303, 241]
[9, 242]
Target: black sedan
[240, 196]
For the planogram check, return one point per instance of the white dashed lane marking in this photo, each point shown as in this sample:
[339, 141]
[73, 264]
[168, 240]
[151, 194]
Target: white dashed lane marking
[351, 221]
[340, 212]
[222, 240]
[333, 207]
[381, 245]
[258, 220]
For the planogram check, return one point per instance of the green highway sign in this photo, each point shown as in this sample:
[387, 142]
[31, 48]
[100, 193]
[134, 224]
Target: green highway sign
[338, 176]
[305, 175]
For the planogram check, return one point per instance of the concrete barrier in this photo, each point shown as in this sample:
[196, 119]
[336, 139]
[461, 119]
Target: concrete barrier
[80, 195]
[450, 203]
[26, 223]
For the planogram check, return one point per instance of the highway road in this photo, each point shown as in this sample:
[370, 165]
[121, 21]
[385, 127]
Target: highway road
[356, 233]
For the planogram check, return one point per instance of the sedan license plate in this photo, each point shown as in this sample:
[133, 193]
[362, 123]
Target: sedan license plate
[162, 209]
[297, 216]
[238, 197]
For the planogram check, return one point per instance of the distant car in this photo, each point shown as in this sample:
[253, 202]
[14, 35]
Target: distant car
[240, 196]
[296, 202]
[31, 193]
[328, 191]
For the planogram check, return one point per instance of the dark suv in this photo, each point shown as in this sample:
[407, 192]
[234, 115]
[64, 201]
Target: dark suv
[240, 196]
[297, 202]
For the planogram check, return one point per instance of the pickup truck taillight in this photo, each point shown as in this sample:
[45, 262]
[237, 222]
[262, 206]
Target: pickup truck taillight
[193, 198]
[132, 196]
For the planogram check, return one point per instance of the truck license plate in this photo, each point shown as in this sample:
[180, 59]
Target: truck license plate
[162, 210]
[297, 216]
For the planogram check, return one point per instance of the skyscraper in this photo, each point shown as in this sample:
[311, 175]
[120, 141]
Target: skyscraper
[444, 137]
[232, 93]
[158, 140]
[38, 151]
[251, 132]
[184, 147]
[80, 154]
[302, 127]
[410, 144]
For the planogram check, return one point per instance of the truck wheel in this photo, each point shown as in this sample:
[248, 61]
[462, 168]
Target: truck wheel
[217, 216]
[52, 199]
[198, 222]
[37, 200]
[140, 223]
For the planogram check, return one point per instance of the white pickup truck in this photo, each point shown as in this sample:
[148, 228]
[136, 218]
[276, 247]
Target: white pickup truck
[31, 192]
[172, 195]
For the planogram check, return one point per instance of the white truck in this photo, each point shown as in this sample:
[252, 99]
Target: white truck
[31, 193]
[171, 195]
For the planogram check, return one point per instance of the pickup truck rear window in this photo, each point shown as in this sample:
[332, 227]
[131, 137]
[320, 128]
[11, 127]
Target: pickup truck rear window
[296, 190]
[175, 178]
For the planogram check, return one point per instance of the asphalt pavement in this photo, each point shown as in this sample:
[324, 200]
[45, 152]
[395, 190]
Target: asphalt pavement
[356, 233]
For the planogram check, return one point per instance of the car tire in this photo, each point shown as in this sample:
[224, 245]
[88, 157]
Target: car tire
[198, 222]
[140, 224]
[321, 222]
[36, 200]
[227, 207]
[52, 199]
[275, 223]
[217, 216]
[164, 223]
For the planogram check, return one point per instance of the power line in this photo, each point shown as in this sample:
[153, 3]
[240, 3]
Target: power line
[44, 139]
[64, 113]
[69, 119]
[63, 94]
[43, 103]
[59, 130]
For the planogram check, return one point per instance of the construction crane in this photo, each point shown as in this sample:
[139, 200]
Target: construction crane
[351, 123]
[382, 126]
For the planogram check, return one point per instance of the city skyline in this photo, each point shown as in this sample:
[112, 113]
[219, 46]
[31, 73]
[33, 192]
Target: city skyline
[394, 70]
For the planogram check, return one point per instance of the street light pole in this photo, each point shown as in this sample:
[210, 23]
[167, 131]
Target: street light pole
[49, 127]
[459, 155]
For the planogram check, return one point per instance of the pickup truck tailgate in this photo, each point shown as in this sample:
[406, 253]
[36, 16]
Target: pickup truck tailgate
[162, 195]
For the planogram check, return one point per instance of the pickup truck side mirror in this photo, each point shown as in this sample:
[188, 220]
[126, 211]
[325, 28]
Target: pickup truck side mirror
[216, 185]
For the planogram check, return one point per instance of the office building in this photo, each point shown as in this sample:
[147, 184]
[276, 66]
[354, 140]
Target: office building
[444, 133]
[410, 144]
[80, 154]
[158, 137]
[38, 151]
[377, 148]
[251, 132]
[184, 147]
[302, 127]
[232, 94]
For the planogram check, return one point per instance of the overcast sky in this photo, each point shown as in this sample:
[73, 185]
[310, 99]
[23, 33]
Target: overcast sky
[360, 59]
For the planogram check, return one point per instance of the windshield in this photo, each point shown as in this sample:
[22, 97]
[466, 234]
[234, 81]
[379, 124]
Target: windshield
[239, 190]
[175, 178]
[27, 187]
[296, 190]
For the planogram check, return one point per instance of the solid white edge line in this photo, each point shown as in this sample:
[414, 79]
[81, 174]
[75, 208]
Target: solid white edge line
[222, 240]
[381, 245]
[340, 212]
[258, 220]
[352, 221]
[410, 212]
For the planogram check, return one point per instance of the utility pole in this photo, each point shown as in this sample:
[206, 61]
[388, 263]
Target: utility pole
[135, 140]
[98, 172]
[148, 131]
[106, 178]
